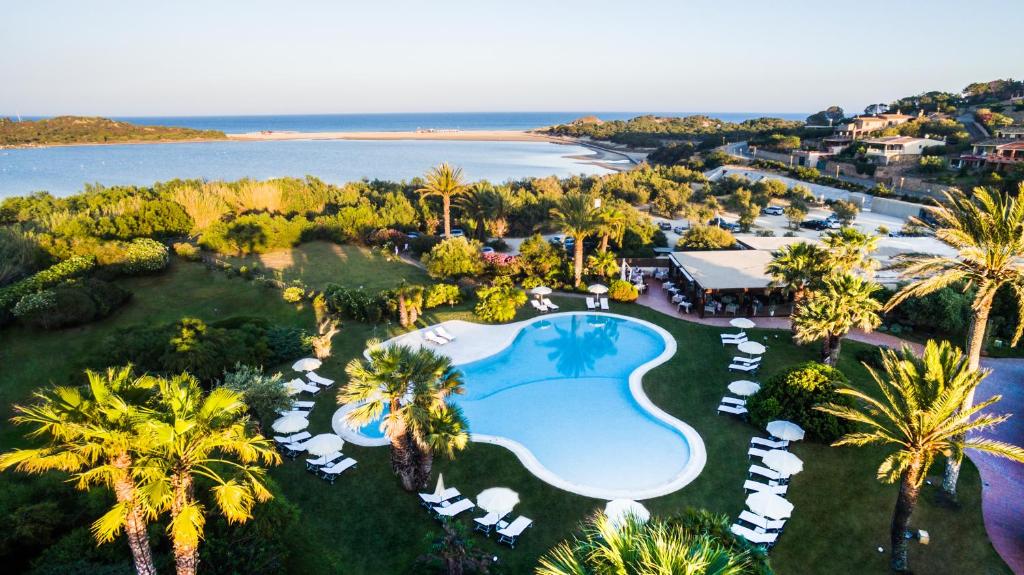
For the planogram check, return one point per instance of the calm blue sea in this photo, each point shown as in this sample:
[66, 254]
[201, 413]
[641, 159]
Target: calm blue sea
[64, 170]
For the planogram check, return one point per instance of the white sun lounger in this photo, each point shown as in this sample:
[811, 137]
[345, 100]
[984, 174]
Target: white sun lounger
[779, 490]
[539, 306]
[746, 367]
[550, 304]
[430, 336]
[746, 360]
[769, 443]
[734, 401]
[441, 331]
[319, 380]
[287, 439]
[430, 499]
[511, 532]
[591, 304]
[487, 522]
[303, 386]
[734, 338]
[330, 473]
[323, 460]
[303, 405]
[448, 511]
[766, 473]
[762, 522]
[754, 537]
[755, 452]
[604, 303]
[732, 409]
[294, 411]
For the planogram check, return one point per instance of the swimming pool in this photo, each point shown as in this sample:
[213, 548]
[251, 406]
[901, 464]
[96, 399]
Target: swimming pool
[564, 394]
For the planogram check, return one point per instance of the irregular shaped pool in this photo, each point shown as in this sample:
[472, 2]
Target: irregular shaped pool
[565, 396]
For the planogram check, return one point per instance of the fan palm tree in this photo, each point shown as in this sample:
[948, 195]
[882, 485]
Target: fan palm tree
[475, 204]
[577, 214]
[850, 251]
[797, 267]
[636, 548]
[93, 433]
[844, 302]
[612, 226]
[194, 435]
[414, 386]
[920, 416]
[499, 204]
[987, 232]
[446, 182]
[603, 264]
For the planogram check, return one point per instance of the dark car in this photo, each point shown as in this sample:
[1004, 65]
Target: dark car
[720, 222]
[664, 226]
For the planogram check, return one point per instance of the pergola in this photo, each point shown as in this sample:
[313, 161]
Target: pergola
[729, 282]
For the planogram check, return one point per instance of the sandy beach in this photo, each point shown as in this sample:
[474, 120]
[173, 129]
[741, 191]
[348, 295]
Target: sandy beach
[463, 135]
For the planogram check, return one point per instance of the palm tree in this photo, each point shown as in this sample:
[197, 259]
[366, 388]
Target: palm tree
[844, 302]
[603, 264]
[93, 433]
[920, 417]
[797, 267]
[194, 435]
[447, 182]
[850, 251]
[579, 217]
[987, 232]
[476, 206]
[414, 386]
[499, 204]
[637, 548]
[612, 226]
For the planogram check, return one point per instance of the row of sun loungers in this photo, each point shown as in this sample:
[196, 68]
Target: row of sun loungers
[450, 503]
[744, 364]
[543, 306]
[755, 528]
[298, 408]
[438, 336]
[733, 338]
[330, 466]
[601, 303]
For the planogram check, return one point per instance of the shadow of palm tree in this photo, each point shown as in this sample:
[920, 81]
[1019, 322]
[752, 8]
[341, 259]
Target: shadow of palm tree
[576, 348]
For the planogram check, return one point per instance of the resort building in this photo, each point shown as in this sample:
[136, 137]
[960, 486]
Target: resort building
[861, 127]
[892, 149]
[729, 283]
[1009, 132]
[996, 153]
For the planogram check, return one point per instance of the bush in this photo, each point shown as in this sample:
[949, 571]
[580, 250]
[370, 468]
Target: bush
[293, 294]
[264, 394]
[453, 258]
[70, 268]
[622, 290]
[143, 256]
[441, 294]
[254, 233]
[357, 304]
[73, 303]
[793, 393]
[187, 251]
[700, 238]
[499, 302]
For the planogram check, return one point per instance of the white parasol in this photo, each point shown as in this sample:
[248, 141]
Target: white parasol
[598, 289]
[618, 510]
[786, 430]
[744, 387]
[751, 347]
[323, 444]
[770, 505]
[500, 500]
[295, 387]
[307, 364]
[290, 423]
[541, 290]
[784, 462]
[742, 323]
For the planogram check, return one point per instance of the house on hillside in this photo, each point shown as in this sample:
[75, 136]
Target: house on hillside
[1009, 132]
[891, 149]
[995, 153]
[861, 127]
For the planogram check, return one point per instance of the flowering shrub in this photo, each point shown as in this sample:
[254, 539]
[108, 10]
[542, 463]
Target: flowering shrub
[499, 302]
[440, 294]
[622, 290]
[144, 255]
[293, 294]
[70, 268]
[454, 257]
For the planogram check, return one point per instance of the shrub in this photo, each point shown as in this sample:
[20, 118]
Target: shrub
[293, 294]
[143, 256]
[187, 251]
[254, 233]
[441, 294]
[70, 268]
[700, 238]
[357, 304]
[264, 394]
[622, 290]
[793, 393]
[73, 303]
[499, 302]
[453, 258]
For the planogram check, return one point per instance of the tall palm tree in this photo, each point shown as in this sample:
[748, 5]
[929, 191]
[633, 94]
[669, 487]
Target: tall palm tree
[798, 267]
[577, 214]
[612, 227]
[93, 433]
[415, 387]
[850, 251]
[844, 302]
[987, 232]
[447, 182]
[919, 417]
[636, 548]
[603, 264]
[475, 204]
[194, 435]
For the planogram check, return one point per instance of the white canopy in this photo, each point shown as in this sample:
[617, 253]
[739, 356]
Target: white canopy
[307, 364]
[784, 462]
[751, 347]
[770, 505]
[618, 510]
[294, 387]
[742, 323]
[598, 288]
[744, 387]
[290, 423]
[323, 444]
[786, 430]
[541, 290]
[500, 500]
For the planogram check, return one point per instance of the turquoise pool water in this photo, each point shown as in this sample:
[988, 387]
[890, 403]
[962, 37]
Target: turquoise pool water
[561, 391]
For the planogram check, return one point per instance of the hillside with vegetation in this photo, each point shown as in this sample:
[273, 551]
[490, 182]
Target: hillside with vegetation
[655, 130]
[92, 130]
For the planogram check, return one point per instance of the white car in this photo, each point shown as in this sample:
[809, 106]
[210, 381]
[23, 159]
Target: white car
[772, 211]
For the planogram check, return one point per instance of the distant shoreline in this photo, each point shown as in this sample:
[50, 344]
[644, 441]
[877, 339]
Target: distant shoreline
[448, 135]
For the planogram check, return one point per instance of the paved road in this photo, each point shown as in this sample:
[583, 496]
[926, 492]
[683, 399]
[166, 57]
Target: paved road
[976, 130]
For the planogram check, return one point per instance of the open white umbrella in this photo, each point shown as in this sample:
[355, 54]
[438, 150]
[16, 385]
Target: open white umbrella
[541, 290]
[290, 423]
[323, 444]
[784, 462]
[751, 347]
[786, 430]
[742, 323]
[294, 387]
[500, 500]
[307, 364]
[770, 505]
[618, 510]
[598, 289]
[744, 387]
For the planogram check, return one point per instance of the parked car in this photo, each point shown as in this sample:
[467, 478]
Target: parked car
[819, 225]
[487, 250]
[720, 222]
[458, 233]
[555, 240]
[664, 226]
[772, 211]
[680, 230]
[412, 235]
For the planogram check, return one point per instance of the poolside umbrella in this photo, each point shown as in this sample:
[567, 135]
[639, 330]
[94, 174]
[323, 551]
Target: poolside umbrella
[294, 387]
[440, 485]
[323, 444]
[290, 423]
[744, 387]
[751, 347]
[784, 462]
[598, 289]
[541, 291]
[306, 364]
[770, 505]
[618, 510]
[742, 323]
[500, 500]
[786, 430]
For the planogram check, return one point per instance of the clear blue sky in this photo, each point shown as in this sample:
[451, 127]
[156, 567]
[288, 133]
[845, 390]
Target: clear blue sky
[141, 57]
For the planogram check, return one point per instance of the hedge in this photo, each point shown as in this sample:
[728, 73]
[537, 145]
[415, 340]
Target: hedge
[72, 267]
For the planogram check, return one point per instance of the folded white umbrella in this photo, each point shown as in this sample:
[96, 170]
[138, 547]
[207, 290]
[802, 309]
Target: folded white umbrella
[784, 462]
[744, 387]
[770, 505]
[290, 423]
[751, 347]
[294, 387]
[598, 288]
[541, 290]
[500, 500]
[307, 364]
[618, 510]
[786, 430]
[742, 323]
[323, 444]
[440, 485]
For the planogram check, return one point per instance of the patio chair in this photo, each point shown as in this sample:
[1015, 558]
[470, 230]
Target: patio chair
[761, 539]
[486, 523]
[779, 490]
[734, 401]
[294, 411]
[303, 405]
[448, 511]
[289, 439]
[317, 379]
[316, 463]
[768, 474]
[604, 303]
[734, 338]
[732, 409]
[781, 444]
[744, 367]
[590, 304]
[748, 360]
[510, 533]
[710, 308]
[434, 339]
[428, 500]
[762, 523]
[550, 304]
[441, 331]
[755, 452]
[331, 473]
[539, 306]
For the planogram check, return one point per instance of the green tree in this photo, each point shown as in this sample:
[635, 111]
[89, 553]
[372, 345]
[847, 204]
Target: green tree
[603, 264]
[612, 226]
[446, 182]
[844, 302]
[798, 267]
[93, 433]
[795, 213]
[987, 233]
[475, 204]
[701, 238]
[453, 258]
[850, 251]
[263, 394]
[578, 216]
[919, 418]
[499, 301]
[191, 435]
[845, 211]
[414, 386]
[748, 210]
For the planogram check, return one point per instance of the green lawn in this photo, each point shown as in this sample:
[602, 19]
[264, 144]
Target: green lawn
[365, 524]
